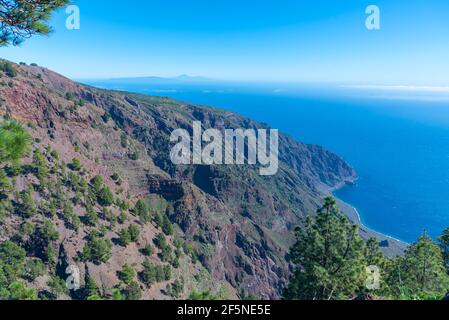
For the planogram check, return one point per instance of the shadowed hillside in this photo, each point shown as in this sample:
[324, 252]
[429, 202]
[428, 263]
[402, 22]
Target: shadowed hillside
[223, 229]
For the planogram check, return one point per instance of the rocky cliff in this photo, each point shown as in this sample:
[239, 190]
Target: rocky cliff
[236, 223]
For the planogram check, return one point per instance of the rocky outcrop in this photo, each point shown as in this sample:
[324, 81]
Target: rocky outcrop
[240, 223]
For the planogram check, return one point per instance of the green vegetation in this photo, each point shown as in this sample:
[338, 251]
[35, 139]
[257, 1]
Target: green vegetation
[332, 263]
[14, 141]
[141, 211]
[97, 249]
[206, 295]
[127, 274]
[12, 267]
[20, 20]
[128, 235]
[152, 274]
[8, 68]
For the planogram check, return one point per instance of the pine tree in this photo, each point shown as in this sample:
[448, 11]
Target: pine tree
[20, 20]
[127, 274]
[14, 141]
[5, 185]
[443, 242]
[421, 273]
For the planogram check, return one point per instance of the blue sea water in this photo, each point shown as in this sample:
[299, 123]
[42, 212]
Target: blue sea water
[398, 144]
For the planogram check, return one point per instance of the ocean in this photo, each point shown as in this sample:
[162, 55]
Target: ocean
[397, 142]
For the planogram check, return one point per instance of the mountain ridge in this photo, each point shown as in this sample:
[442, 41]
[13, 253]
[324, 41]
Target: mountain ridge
[239, 224]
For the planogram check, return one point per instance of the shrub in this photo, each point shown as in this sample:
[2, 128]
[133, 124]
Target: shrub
[115, 176]
[70, 96]
[97, 250]
[105, 197]
[152, 274]
[124, 237]
[133, 291]
[8, 69]
[127, 274]
[141, 210]
[76, 165]
[167, 226]
[134, 232]
[148, 250]
[14, 141]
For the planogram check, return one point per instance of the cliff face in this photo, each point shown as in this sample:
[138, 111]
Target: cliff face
[239, 223]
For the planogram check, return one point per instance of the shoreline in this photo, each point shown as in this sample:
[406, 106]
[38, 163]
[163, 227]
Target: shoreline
[391, 246]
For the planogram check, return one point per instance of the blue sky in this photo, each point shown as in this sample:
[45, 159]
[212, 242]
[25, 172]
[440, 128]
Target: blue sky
[291, 40]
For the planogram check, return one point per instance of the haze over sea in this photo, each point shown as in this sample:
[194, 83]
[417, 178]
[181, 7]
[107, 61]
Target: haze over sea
[397, 139]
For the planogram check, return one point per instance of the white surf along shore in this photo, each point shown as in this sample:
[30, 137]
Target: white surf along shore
[390, 245]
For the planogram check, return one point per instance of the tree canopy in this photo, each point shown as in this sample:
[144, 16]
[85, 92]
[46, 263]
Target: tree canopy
[21, 19]
[14, 141]
[332, 261]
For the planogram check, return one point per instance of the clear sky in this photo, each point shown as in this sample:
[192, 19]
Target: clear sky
[283, 40]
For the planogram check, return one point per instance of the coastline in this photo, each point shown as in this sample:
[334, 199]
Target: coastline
[390, 246]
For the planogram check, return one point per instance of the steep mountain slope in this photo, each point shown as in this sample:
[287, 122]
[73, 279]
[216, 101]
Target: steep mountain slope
[237, 223]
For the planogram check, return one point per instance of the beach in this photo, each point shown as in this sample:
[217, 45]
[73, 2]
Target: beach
[395, 247]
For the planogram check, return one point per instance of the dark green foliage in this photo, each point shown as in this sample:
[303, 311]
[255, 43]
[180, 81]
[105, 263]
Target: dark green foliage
[91, 291]
[117, 295]
[133, 292]
[57, 285]
[166, 253]
[12, 266]
[133, 156]
[97, 249]
[205, 295]
[76, 165]
[105, 197]
[128, 235]
[27, 206]
[134, 232]
[148, 250]
[443, 242]
[41, 240]
[5, 184]
[124, 140]
[421, 273]
[160, 241]
[152, 273]
[91, 217]
[14, 141]
[102, 193]
[124, 237]
[329, 256]
[158, 220]
[176, 289]
[330, 260]
[190, 251]
[167, 226]
[18, 290]
[141, 211]
[34, 269]
[7, 67]
[127, 274]
[70, 96]
[97, 183]
[40, 166]
[12, 261]
[122, 217]
[20, 20]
